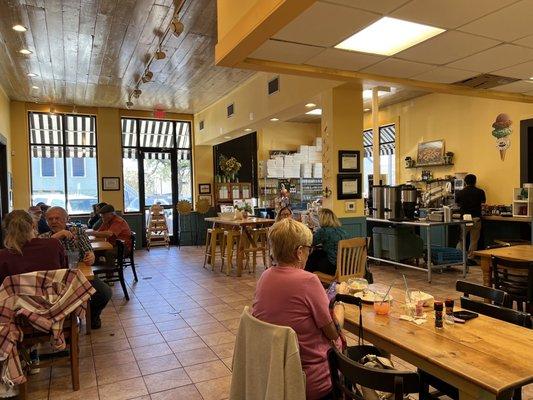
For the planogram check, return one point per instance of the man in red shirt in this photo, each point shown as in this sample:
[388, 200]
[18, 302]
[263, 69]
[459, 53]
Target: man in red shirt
[113, 227]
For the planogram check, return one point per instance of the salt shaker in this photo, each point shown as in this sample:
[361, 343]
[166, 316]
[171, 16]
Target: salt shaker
[438, 306]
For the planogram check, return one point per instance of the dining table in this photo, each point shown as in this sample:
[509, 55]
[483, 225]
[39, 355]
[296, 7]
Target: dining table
[484, 358]
[245, 226]
[101, 246]
[515, 253]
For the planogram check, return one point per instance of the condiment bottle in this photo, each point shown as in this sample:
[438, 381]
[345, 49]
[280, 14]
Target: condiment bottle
[449, 311]
[438, 306]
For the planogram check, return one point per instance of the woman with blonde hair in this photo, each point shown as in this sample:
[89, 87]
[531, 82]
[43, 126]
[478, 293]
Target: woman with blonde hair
[288, 295]
[24, 252]
[325, 242]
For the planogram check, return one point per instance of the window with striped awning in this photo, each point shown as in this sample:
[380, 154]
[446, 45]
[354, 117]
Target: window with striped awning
[387, 141]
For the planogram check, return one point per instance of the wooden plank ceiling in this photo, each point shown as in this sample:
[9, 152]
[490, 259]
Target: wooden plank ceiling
[91, 53]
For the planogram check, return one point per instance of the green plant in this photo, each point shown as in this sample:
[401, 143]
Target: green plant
[245, 207]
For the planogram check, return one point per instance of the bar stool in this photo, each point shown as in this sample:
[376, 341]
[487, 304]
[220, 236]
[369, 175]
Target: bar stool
[260, 236]
[213, 238]
[230, 244]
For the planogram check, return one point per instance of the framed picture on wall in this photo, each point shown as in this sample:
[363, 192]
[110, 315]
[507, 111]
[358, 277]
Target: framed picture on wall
[349, 186]
[349, 161]
[204, 188]
[110, 183]
[430, 153]
[207, 197]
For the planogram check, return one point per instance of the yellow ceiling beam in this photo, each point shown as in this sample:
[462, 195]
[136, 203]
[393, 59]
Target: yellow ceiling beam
[352, 76]
[258, 25]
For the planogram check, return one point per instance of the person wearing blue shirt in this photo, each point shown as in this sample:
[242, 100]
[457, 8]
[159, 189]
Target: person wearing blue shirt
[325, 242]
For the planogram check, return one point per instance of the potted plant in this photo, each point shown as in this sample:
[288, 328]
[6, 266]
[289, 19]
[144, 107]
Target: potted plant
[409, 162]
[448, 157]
[245, 209]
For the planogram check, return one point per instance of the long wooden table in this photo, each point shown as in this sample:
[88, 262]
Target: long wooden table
[516, 253]
[245, 226]
[484, 358]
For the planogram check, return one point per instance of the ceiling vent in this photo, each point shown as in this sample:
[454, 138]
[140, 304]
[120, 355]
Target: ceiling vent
[273, 85]
[486, 81]
[230, 110]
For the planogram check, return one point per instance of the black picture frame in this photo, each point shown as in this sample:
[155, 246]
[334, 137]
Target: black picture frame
[349, 180]
[346, 161]
[204, 188]
[110, 183]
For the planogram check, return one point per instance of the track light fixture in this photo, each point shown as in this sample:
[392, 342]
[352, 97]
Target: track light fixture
[160, 54]
[147, 77]
[176, 26]
[129, 104]
[137, 92]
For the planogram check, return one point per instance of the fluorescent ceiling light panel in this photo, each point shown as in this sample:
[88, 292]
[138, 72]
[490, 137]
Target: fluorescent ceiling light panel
[316, 111]
[388, 36]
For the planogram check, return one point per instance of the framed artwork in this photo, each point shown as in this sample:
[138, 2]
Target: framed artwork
[204, 188]
[430, 153]
[207, 197]
[349, 186]
[349, 161]
[110, 183]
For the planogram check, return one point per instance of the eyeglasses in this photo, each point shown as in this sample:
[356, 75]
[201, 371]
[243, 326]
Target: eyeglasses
[304, 245]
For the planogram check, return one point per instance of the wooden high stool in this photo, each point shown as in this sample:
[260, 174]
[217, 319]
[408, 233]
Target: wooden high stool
[213, 238]
[230, 244]
[260, 236]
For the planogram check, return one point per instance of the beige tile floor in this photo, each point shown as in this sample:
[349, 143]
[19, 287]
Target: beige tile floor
[174, 339]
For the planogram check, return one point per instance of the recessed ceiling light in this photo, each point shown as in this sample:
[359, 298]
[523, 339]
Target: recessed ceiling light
[316, 111]
[35, 87]
[24, 51]
[248, 130]
[20, 28]
[366, 109]
[310, 105]
[274, 119]
[531, 78]
[31, 75]
[389, 36]
[227, 137]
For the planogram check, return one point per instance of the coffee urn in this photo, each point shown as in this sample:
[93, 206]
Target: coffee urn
[392, 202]
[377, 201]
[409, 196]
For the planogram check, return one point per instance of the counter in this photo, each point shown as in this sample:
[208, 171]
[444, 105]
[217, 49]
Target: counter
[498, 227]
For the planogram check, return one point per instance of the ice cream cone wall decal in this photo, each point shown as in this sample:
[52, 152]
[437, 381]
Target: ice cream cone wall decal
[502, 131]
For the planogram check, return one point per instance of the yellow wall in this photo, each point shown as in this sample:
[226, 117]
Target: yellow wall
[229, 15]
[5, 123]
[108, 140]
[465, 125]
[203, 166]
[285, 136]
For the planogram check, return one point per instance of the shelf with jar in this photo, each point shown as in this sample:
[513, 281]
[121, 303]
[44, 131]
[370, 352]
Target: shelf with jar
[227, 192]
[523, 202]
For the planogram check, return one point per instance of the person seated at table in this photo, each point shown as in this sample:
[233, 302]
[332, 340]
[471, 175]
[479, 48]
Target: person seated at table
[283, 213]
[288, 295]
[39, 221]
[75, 239]
[95, 220]
[43, 226]
[325, 242]
[113, 227]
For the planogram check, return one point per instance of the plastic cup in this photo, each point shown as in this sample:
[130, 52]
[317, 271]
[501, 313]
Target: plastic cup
[73, 257]
[382, 307]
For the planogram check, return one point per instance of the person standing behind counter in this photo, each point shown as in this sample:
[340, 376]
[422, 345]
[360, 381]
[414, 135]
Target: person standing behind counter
[470, 200]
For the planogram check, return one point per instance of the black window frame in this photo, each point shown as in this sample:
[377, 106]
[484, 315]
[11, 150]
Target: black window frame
[64, 147]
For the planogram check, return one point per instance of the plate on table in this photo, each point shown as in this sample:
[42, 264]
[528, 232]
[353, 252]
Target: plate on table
[371, 297]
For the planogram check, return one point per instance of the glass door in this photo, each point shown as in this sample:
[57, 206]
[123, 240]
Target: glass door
[159, 174]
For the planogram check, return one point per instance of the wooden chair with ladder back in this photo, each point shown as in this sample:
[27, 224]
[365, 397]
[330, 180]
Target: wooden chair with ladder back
[351, 261]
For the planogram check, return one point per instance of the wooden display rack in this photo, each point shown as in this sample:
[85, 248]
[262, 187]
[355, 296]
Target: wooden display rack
[157, 228]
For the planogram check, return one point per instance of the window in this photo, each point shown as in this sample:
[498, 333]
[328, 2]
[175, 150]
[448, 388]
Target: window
[387, 159]
[63, 161]
[78, 167]
[48, 168]
[147, 146]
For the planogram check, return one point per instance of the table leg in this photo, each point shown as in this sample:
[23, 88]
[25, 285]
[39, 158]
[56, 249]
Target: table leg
[240, 251]
[428, 243]
[88, 319]
[486, 269]
[463, 234]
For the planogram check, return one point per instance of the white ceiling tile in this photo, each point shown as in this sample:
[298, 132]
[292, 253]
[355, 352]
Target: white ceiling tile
[379, 6]
[527, 41]
[397, 68]
[447, 47]
[447, 13]
[495, 58]
[341, 59]
[515, 87]
[444, 75]
[326, 25]
[292, 53]
[520, 71]
[508, 24]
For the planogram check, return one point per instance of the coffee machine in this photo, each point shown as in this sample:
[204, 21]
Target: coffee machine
[409, 196]
[377, 201]
[392, 205]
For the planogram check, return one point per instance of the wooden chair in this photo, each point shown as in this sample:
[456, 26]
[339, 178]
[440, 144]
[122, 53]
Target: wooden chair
[33, 337]
[495, 296]
[260, 236]
[516, 279]
[214, 237]
[115, 273]
[129, 258]
[229, 248]
[351, 261]
[346, 373]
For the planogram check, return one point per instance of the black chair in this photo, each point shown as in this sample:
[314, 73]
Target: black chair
[497, 297]
[516, 279]
[346, 373]
[115, 273]
[129, 258]
[502, 313]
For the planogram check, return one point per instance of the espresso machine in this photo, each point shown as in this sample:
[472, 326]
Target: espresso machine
[409, 197]
[377, 201]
